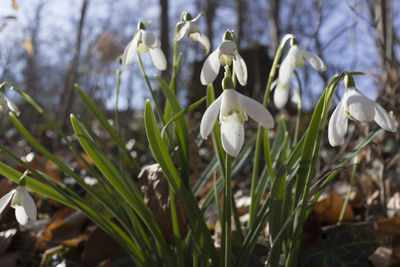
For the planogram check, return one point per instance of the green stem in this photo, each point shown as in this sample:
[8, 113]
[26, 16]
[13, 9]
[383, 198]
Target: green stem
[299, 110]
[307, 163]
[116, 109]
[227, 211]
[259, 139]
[346, 201]
[153, 94]
[177, 234]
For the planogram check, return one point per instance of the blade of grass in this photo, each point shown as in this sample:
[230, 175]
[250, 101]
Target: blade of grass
[185, 196]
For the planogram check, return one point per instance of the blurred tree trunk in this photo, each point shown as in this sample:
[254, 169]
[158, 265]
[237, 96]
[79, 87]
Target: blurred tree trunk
[72, 75]
[164, 29]
[273, 26]
[381, 13]
[31, 72]
[209, 9]
[384, 28]
[164, 38]
[240, 16]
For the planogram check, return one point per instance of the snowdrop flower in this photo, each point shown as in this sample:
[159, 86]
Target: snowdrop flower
[22, 202]
[4, 101]
[355, 106]
[295, 58]
[191, 30]
[233, 109]
[223, 56]
[142, 42]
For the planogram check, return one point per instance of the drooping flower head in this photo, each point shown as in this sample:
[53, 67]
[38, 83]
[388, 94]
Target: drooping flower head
[355, 106]
[226, 54]
[22, 202]
[295, 58]
[142, 42]
[233, 109]
[191, 29]
[6, 103]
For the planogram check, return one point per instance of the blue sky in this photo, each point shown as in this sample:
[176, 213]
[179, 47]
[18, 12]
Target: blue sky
[352, 50]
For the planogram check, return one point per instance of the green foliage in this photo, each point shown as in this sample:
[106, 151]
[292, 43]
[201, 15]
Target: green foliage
[117, 205]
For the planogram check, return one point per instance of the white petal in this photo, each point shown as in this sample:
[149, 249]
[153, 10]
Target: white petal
[196, 18]
[12, 106]
[210, 69]
[232, 134]
[21, 215]
[227, 47]
[150, 40]
[202, 39]
[229, 102]
[383, 119]
[285, 72]
[29, 206]
[296, 56]
[5, 200]
[360, 107]
[296, 96]
[239, 67]
[315, 61]
[256, 111]
[209, 117]
[338, 124]
[18, 198]
[281, 95]
[182, 32]
[158, 58]
[131, 50]
[273, 85]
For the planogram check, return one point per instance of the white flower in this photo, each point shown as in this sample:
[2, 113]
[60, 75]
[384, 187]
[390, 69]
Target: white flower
[233, 109]
[281, 95]
[191, 30]
[22, 202]
[295, 58]
[223, 56]
[355, 106]
[4, 101]
[144, 41]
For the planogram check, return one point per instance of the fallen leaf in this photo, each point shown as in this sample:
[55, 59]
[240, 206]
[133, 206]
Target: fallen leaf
[393, 205]
[155, 191]
[385, 227]
[328, 208]
[65, 224]
[381, 256]
[99, 247]
[75, 241]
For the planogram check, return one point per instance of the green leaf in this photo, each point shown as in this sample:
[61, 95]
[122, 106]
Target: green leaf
[125, 187]
[104, 122]
[368, 139]
[181, 113]
[185, 196]
[181, 128]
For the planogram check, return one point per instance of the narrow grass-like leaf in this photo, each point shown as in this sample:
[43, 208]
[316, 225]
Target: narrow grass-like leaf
[185, 196]
[181, 128]
[131, 194]
[104, 122]
[181, 113]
